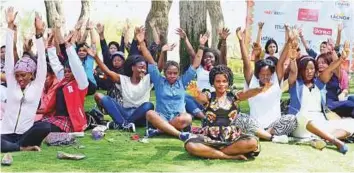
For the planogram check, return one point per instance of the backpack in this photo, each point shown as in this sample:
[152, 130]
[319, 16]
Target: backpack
[94, 117]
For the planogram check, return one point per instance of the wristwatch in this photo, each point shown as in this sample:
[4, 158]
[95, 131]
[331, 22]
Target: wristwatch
[39, 35]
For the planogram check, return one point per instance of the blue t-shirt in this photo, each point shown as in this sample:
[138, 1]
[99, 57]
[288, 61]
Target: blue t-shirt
[88, 66]
[170, 99]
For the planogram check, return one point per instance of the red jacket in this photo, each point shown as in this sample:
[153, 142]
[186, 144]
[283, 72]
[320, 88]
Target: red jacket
[75, 99]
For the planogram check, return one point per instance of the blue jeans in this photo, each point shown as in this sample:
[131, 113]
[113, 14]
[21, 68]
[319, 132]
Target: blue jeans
[121, 115]
[192, 106]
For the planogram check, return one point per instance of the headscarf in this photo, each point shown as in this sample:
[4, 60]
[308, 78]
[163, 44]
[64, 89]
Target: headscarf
[118, 53]
[25, 64]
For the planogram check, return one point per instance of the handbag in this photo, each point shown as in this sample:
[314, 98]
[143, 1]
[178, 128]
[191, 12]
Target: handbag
[59, 138]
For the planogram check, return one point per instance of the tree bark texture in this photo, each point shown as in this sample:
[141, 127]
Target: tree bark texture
[216, 20]
[159, 16]
[85, 10]
[193, 22]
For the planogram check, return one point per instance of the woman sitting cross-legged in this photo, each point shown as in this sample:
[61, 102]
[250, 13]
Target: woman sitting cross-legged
[170, 116]
[25, 81]
[265, 107]
[135, 86]
[225, 133]
[67, 104]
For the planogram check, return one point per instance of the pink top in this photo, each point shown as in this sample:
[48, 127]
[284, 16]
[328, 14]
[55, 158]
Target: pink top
[344, 82]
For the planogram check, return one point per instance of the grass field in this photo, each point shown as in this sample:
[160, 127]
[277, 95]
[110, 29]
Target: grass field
[116, 152]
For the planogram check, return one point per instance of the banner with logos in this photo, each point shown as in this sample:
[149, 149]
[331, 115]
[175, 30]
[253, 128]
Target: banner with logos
[319, 20]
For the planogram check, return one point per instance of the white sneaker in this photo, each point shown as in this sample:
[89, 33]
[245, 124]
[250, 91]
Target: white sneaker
[283, 139]
[78, 134]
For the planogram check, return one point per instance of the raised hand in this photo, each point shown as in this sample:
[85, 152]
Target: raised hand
[286, 26]
[192, 89]
[181, 33]
[50, 40]
[260, 25]
[257, 50]
[330, 44]
[57, 23]
[90, 52]
[10, 15]
[239, 33]
[100, 28]
[224, 33]
[167, 47]
[340, 27]
[140, 34]
[39, 24]
[89, 25]
[203, 38]
[301, 34]
[78, 25]
[27, 44]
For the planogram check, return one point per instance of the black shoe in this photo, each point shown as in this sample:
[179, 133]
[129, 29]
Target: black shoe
[112, 125]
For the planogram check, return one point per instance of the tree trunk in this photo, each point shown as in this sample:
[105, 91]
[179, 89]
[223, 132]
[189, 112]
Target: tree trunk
[159, 16]
[53, 9]
[51, 13]
[216, 20]
[85, 10]
[193, 22]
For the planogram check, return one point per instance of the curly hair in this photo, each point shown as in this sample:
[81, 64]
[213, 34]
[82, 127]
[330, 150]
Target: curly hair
[221, 69]
[270, 41]
[264, 63]
[131, 61]
[215, 52]
[170, 63]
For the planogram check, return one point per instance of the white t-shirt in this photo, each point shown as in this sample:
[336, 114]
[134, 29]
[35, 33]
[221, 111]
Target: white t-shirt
[203, 79]
[265, 107]
[135, 94]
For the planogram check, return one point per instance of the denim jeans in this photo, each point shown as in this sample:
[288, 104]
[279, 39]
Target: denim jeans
[192, 106]
[121, 115]
[33, 136]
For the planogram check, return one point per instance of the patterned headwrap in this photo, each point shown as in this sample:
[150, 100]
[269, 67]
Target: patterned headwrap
[25, 64]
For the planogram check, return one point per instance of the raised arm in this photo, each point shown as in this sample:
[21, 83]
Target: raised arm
[192, 89]
[292, 41]
[9, 59]
[15, 47]
[92, 36]
[339, 34]
[309, 51]
[41, 73]
[259, 33]
[247, 70]
[331, 48]
[76, 64]
[198, 58]
[104, 46]
[84, 37]
[164, 49]
[189, 46]
[222, 46]
[291, 51]
[115, 77]
[244, 95]
[140, 36]
[56, 65]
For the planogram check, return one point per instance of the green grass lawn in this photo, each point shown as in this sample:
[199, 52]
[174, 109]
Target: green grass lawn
[118, 153]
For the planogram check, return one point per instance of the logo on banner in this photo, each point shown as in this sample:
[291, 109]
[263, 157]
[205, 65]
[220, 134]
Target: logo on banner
[342, 3]
[266, 38]
[322, 31]
[281, 27]
[310, 15]
[313, 1]
[274, 12]
[340, 16]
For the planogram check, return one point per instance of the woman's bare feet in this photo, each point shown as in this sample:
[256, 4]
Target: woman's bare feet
[30, 148]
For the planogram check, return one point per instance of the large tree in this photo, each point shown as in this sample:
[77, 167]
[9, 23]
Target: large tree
[216, 20]
[158, 17]
[85, 9]
[193, 16]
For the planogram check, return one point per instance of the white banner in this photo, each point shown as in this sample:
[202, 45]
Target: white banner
[318, 19]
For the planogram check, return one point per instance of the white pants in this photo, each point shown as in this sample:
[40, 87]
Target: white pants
[329, 126]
